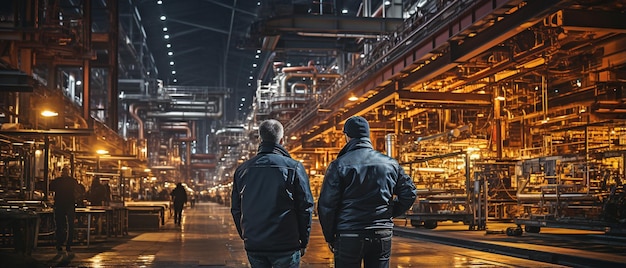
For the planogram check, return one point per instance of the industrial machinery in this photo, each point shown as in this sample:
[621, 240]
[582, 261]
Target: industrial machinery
[575, 192]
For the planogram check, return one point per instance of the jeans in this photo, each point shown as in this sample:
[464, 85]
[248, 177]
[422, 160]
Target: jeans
[290, 259]
[64, 221]
[374, 250]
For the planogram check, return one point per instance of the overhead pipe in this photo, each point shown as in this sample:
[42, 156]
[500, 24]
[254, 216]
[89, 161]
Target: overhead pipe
[133, 110]
[190, 133]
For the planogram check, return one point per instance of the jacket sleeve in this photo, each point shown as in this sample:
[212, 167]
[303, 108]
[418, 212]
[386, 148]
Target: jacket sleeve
[328, 203]
[405, 191]
[235, 207]
[304, 204]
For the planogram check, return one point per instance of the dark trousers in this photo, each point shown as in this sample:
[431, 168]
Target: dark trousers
[274, 259]
[178, 213]
[373, 250]
[64, 220]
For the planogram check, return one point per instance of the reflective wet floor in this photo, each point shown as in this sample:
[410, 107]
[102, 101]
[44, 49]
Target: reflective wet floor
[208, 238]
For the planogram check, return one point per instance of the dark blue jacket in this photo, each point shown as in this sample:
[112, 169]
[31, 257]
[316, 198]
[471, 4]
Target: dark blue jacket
[358, 191]
[272, 202]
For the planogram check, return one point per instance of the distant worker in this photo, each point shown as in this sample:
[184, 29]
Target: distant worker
[362, 191]
[107, 192]
[66, 190]
[97, 193]
[179, 198]
[272, 204]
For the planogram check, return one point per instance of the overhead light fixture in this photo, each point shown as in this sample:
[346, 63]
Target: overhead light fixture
[353, 98]
[102, 151]
[293, 138]
[168, 45]
[344, 11]
[47, 113]
[171, 63]
[170, 53]
[159, 2]
[163, 18]
[500, 98]
[165, 29]
[167, 36]
[173, 72]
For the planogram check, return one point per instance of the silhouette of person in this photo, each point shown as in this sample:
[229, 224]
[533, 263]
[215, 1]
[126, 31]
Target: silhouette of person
[65, 190]
[179, 198]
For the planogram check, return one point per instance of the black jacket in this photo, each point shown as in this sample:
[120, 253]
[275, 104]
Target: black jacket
[179, 195]
[272, 202]
[362, 190]
[66, 190]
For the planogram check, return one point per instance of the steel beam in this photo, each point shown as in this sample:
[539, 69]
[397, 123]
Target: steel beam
[327, 24]
[589, 20]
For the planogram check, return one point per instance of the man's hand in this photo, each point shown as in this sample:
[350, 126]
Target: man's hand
[302, 251]
[331, 247]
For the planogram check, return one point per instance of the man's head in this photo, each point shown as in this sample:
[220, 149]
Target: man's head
[271, 131]
[356, 127]
[65, 171]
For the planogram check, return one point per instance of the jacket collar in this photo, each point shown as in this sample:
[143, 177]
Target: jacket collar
[354, 144]
[271, 147]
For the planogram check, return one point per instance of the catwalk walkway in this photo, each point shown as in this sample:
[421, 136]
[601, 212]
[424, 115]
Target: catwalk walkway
[208, 238]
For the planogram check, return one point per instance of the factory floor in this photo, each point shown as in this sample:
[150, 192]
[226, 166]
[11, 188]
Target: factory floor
[208, 238]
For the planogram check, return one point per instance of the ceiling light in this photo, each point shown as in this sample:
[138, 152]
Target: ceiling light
[353, 98]
[171, 63]
[167, 36]
[170, 53]
[251, 77]
[47, 113]
[257, 56]
[344, 11]
[387, 3]
[258, 51]
[500, 98]
[175, 80]
[173, 72]
[162, 17]
[243, 99]
[168, 45]
[159, 2]
[254, 65]
[78, 83]
[165, 29]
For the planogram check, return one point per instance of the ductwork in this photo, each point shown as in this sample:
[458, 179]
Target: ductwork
[186, 115]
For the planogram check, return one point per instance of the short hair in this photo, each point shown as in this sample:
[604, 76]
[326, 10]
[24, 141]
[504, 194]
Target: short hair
[271, 130]
[65, 170]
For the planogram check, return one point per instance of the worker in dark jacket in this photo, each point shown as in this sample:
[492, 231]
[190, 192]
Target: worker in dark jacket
[179, 198]
[66, 190]
[362, 191]
[272, 203]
